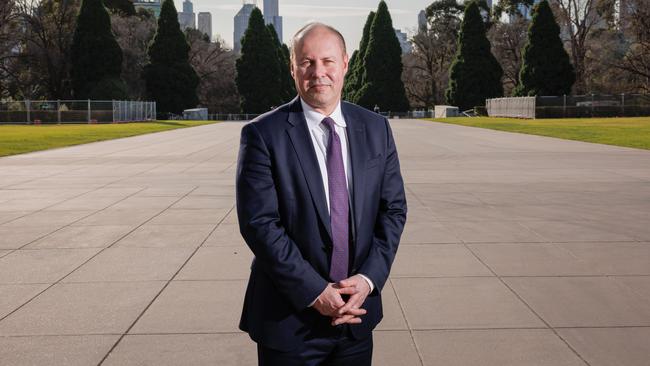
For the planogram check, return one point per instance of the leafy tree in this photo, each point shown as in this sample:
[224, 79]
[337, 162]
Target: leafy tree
[426, 69]
[134, 34]
[121, 6]
[95, 55]
[171, 81]
[546, 69]
[475, 73]
[355, 65]
[288, 87]
[382, 76]
[259, 79]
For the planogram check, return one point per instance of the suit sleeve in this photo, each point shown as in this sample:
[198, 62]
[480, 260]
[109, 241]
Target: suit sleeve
[390, 220]
[260, 225]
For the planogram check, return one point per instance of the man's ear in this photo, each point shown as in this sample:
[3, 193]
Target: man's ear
[346, 62]
[291, 69]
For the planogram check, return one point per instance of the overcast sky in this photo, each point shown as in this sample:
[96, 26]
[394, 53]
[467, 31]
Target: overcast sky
[345, 15]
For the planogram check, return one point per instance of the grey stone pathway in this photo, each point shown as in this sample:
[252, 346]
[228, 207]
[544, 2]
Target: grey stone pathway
[519, 250]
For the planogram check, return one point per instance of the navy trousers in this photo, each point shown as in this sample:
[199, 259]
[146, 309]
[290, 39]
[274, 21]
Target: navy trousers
[339, 349]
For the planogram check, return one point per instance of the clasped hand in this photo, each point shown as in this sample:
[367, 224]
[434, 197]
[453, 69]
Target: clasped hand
[330, 302]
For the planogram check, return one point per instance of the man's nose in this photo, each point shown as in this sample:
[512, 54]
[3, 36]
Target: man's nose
[319, 70]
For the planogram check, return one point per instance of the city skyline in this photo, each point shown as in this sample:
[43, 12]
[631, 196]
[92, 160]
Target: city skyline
[338, 13]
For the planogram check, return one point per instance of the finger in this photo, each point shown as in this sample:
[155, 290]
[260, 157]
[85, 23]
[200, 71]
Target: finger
[342, 319]
[353, 302]
[357, 312]
[346, 283]
[347, 290]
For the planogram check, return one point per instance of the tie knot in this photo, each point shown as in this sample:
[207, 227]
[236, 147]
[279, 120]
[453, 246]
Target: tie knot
[329, 123]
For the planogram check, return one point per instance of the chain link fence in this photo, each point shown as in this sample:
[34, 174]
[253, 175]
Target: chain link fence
[75, 111]
[571, 106]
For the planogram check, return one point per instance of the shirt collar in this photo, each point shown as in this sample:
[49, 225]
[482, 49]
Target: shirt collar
[314, 118]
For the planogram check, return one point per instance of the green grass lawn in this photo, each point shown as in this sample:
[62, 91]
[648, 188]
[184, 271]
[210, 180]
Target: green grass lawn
[18, 139]
[629, 132]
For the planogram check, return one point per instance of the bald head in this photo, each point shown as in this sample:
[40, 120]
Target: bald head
[314, 27]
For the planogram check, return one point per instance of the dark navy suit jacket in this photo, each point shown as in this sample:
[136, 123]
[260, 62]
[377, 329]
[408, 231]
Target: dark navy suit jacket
[283, 217]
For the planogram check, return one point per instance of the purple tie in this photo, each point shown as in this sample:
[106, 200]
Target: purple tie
[339, 209]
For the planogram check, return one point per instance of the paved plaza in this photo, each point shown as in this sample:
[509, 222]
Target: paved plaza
[519, 250]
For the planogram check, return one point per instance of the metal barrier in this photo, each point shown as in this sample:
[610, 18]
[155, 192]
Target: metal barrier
[75, 111]
[571, 106]
[519, 107]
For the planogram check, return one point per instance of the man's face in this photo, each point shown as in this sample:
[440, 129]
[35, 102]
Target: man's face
[319, 68]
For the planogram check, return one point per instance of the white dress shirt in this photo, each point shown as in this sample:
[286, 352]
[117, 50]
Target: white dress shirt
[320, 140]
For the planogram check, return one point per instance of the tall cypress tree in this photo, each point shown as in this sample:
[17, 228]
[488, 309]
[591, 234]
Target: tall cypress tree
[355, 65]
[96, 57]
[287, 86]
[171, 80]
[259, 79]
[546, 68]
[382, 77]
[475, 73]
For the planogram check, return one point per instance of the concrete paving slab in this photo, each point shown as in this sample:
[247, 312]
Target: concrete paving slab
[442, 260]
[41, 266]
[17, 237]
[48, 218]
[614, 258]
[582, 301]
[205, 202]
[427, 233]
[218, 263]
[166, 236]
[194, 307]
[394, 348]
[610, 346]
[82, 308]
[55, 350]
[533, 259]
[13, 296]
[131, 203]
[493, 232]
[495, 347]
[85, 203]
[4, 252]
[131, 264]
[225, 235]
[639, 284]
[77, 237]
[190, 216]
[563, 231]
[453, 303]
[393, 315]
[7, 216]
[29, 204]
[119, 217]
[184, 349]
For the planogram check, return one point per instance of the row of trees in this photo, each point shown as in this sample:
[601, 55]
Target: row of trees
[609, 49]
[64, 49]
[374, 71]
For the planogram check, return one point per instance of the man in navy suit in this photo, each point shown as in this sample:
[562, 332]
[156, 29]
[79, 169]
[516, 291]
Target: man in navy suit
[321, 203]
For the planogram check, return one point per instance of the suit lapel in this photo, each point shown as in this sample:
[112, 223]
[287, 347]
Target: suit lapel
[301, 141]
[357, 136]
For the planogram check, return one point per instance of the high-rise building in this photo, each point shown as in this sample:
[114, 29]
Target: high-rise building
[272, 16]
[422, 21]
[403, 41]
[187, 18]
[152, 5]
[205, 23]
[241, 23]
